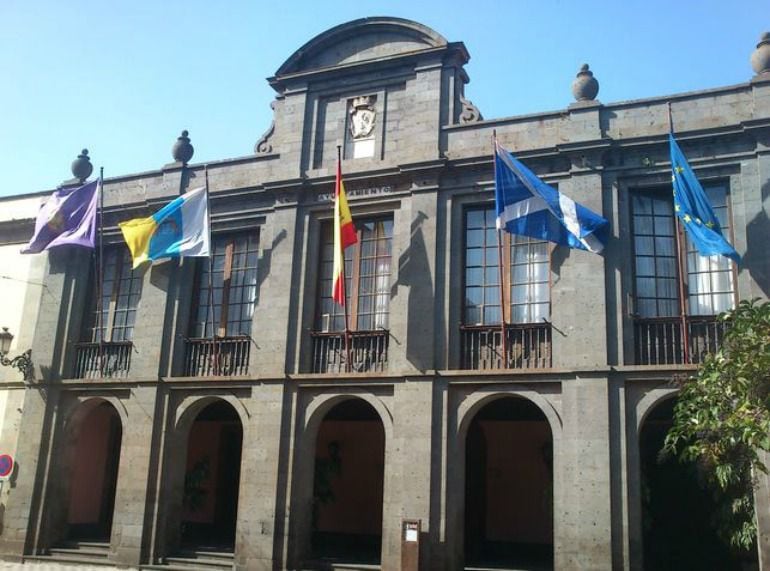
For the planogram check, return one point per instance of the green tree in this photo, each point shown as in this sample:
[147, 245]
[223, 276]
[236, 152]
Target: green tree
[722, 419]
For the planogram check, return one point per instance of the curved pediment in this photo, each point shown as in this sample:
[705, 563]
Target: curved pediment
[361, 40]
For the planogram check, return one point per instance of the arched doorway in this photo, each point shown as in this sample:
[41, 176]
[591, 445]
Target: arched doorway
[94, 461]
[212, 479]
[509, 487]
[348, 484]
[677, 512]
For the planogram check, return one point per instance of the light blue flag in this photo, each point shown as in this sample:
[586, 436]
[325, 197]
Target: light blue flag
[693, 209]
[528, 206]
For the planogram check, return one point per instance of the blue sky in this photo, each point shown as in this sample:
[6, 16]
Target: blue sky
[123, 78]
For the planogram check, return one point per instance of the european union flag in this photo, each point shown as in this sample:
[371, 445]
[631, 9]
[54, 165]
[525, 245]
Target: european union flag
[693, 209]
[529, 207]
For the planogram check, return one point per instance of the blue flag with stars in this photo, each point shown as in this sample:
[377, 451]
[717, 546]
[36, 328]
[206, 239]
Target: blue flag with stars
[693, 209]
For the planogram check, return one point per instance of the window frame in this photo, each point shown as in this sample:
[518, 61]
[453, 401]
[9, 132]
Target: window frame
[682, 250]
[94, 327]
[224, 305]
[508, 243]
[352, 277]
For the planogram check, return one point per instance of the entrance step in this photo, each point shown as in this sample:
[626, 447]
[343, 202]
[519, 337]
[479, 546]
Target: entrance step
[339, 566]
[81, 550]
[202, 560]
[67, 560]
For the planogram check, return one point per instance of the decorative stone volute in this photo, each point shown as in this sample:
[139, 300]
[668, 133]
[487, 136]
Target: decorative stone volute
[585, 87]
[82, 167]
[182, 151]
[760, 58]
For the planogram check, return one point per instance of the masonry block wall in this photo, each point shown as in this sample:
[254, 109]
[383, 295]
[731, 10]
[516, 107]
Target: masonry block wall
[432, 161]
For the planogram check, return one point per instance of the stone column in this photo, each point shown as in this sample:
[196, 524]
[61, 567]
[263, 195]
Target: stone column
[583, 520]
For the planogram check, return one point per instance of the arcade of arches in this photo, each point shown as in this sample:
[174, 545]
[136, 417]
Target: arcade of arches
[508, 487]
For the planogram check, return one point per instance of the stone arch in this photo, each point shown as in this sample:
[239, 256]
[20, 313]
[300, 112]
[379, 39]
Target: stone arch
[189, 408]
[88, 461]
[650, 402]
[308, 426]
[460, 422]
[178, 445]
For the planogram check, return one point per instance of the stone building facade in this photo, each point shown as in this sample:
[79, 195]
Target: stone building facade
[422, 424]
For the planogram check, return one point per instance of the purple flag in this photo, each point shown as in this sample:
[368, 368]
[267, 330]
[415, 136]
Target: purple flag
[67, 217]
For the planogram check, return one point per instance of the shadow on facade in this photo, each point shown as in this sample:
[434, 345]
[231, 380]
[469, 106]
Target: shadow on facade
[348, 485]
[509, 487]
[678, 513]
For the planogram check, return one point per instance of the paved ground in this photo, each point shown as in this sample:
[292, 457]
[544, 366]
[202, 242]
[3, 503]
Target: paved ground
[33, 566]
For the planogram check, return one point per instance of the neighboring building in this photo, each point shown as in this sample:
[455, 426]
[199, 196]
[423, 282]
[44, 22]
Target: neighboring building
[21, 288]
[161, 447]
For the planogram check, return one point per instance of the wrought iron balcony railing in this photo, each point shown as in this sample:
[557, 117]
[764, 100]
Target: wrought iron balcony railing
[109, 360]
[528, 345]
[658, 341]
[368, 351]
[218, 357]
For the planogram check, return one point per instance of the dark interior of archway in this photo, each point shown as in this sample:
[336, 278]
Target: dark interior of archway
[96, 456]
[509, 487]
[677, 512]
[212, 479]
[347, 485]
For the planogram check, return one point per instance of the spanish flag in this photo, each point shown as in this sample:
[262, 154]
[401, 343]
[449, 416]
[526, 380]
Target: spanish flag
[181, 228]
[344, 236]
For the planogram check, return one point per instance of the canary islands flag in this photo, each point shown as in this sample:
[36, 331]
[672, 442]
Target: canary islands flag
[693, 209]
[529, 207]
[181, 228]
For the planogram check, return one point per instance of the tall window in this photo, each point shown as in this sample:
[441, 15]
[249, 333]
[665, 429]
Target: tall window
[662, 335]
[526, 274]
[367, 278]
[120, 293]
[709, 279]
[234, 287]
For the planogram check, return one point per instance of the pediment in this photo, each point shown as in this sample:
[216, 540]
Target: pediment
[361, 40]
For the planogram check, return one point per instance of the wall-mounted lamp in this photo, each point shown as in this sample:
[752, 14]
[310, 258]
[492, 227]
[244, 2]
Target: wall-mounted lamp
[22, 362]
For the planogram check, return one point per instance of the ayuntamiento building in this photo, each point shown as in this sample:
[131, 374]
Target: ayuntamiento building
[263, 449]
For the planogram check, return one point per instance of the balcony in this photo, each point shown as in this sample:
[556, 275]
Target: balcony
[528, 345]
[108, 360]
[218, 357]
[368, 351]
[658, 341]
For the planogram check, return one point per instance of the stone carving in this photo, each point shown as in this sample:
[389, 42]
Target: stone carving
[760, 59]
[362, 117]
[81, 166]
[470, 113]
[585, 87]
[182, 151]
[264, 146]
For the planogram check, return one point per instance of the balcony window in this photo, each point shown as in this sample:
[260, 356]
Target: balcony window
[109, 328]
[708, 283]
[224, 300]
[526, 281]
[367, 289]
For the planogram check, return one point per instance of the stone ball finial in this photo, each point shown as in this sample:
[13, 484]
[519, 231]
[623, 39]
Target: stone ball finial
[760, 58]
[182, 151]
[81, 166]
[585, 87]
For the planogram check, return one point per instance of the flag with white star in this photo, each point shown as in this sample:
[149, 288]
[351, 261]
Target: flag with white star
[693, 209]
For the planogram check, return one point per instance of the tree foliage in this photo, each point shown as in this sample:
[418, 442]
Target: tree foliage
[722, 419]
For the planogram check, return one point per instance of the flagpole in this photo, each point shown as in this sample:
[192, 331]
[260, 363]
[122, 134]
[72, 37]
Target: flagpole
[503, 327]
[100, 277]
[678, 231]
[211, 275]
[348, 353]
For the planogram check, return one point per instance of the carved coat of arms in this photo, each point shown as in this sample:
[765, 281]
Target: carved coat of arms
[362, 117]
